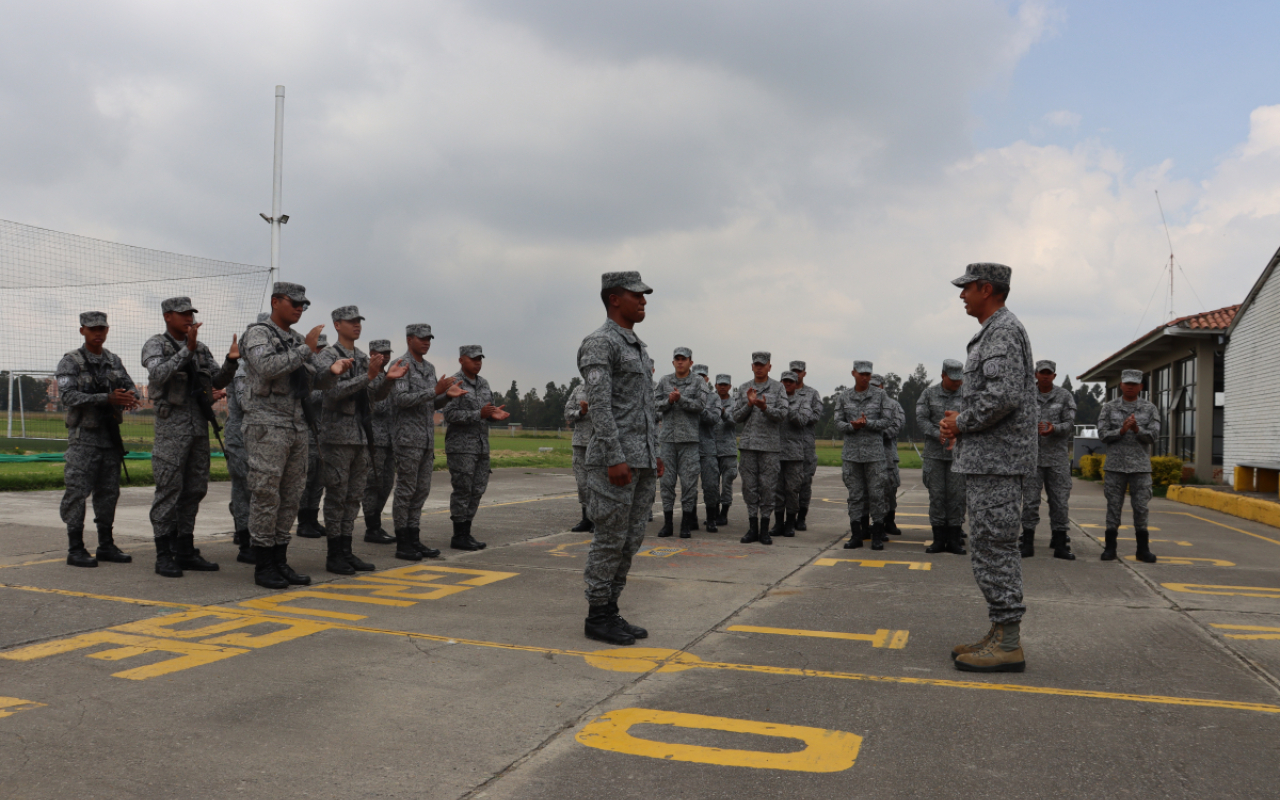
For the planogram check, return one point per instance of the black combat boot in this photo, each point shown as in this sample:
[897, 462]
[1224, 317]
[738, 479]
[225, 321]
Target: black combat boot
[635, 630]
[877, 536]
[1109, 544]
[890, 525]
[668, 524]
[693, 518]
[1144, 550]
[1060, 544]
[335, 559]
[462, 539]
[189, 557]
[415, 536]
[374, 534]
[866, 528]
[712, 512]
[855, 536]
[354, 560]
[585, 525]
[166, 558]
[265, 573]
[107, 550]
[602, 625]
[280, 556]
[308, 527]
[753, 531]
[77, 556]
[940, 535]
[801, 525]
[247, 555]
[789, 525]
[778, 515]
[765, 536]
[955, 542]
[686, 524]
[404, 545]
[1027, 544]
[723, 519]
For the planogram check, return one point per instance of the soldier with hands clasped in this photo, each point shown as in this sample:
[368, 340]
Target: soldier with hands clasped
[1129, 425]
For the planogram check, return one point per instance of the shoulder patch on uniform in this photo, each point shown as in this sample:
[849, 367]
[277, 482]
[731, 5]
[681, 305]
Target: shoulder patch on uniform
[65, 382]
[991, 368]
[595, 375]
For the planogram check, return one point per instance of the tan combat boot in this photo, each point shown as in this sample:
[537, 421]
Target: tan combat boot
[961, 649]
[1001, 653]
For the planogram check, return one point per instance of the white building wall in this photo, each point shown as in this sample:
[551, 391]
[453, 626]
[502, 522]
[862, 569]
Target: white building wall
[1252, 383]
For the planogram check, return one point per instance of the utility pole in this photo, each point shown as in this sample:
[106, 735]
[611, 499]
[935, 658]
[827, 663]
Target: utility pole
[277, 219]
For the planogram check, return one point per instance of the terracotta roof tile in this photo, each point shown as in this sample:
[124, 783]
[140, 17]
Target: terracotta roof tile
[1218, 319]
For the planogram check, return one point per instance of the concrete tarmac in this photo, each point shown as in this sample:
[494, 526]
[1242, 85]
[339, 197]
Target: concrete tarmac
[798, 670]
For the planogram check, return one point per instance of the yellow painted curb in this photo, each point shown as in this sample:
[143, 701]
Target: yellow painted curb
[1250, 508]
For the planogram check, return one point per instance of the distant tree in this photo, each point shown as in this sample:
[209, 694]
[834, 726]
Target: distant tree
[1088, 403]
[32, 393]
[553, 400]
[514, 406]
[892, 384]
[827, 422]
[1066, 384]
[532, 406]
[912, 388]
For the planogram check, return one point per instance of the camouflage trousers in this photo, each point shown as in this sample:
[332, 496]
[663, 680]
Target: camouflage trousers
[469, 476]
[946, 493]
[620, 514]
[892, 482]
[238, 466]
[180, 465]
[90, 471]
[728, 472]
[1056, 482]
[810, 469]
[277, 476]
[346, 467]
[865, 482]
[710, 478]
[378, 485]
[315, 477]
[1139, 486]
[683, 463]
[760, 474]
[995, 512]
[413, 485]
[580, 473]
[791, 476]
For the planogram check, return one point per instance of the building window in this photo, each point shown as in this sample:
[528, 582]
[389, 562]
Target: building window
[1162, 396]
[1184, 410]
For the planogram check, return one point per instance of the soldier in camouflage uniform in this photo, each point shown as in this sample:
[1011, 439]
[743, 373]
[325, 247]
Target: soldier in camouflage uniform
[862, 415]
[623, 466]
[382, 472]
[709, 465]
[466, 445]
[760, 407]
[946, 488]
[680, 399]
[414, 400]
[1129, 425]
[721, 405]
[281, 370]
[892, 477]
[1053, 470]
[811, 436]
[577, 414]
[995, 448]
[793, 456]
[179, 368]
[309, 526]
[95, 388]
[238, 460]
[346, 435]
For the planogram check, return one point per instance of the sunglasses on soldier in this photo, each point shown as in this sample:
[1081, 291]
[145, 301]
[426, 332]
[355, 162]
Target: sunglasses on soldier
[304, 305]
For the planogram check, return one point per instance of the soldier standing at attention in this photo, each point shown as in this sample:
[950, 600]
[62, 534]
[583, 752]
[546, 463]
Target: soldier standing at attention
[726, 444]
[995, 441]
[623, 465]
[238, 460]
[862, 415]
[892, 477]
[576, 411]
[466, 445]
[309, 526]
[382, 472]
[1129, 425]
[414, 400]
[95, 389]
[709, 465]
[946, 488]
[182, 376]
[346, 435]
[679, 399]
[760, 407]
[804, 392]
[1053, 470]
[792, 456]
[281, 372]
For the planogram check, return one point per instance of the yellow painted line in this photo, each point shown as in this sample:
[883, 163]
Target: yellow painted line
[12, 705]
[1209, 588]
[893, 640]
[113, 598]
[1263, 632]
[1182, 561]
[1166, 541]
[33, 563]
[866, 562]
[1228, 527]
[1095, 526]
[558, 550]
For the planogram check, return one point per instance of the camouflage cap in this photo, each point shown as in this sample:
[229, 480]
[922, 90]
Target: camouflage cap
[380, 346]
[995, 273]
[346, 314]
[263, 316]
[724, 378]
[471, 351]
[701, 369]
[953, 369]
[877, 381]
[322, 340]
[419, 329]
[1046, 366]
[624, 280]
[1131, 376]
[863, 366]
[93, 319]
[762, 357]
[790, 376]
[179, 304]
[294, 291]
[797, 366]
[682, 351]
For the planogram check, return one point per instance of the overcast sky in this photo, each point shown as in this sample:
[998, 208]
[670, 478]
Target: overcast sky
[802, 177]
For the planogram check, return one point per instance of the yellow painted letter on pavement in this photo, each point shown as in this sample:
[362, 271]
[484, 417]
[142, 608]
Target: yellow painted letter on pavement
[1228, 591]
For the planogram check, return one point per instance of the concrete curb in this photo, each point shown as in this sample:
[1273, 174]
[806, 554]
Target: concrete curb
[1250, 508]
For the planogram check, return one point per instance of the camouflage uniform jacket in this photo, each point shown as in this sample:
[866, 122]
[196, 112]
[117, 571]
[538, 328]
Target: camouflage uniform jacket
[380, 413]
[85, 383]
[618, 374]
[231, 430]
[467, 431]
[413, 405]
[761, 430]
[169, 383]
[574, 416]
[726, 429]
[933, 405]
[998, 423]
[340, 421]
[797, 433]
[891, 432]
[814, 399]
[866, 444]
[707, 421]
[680, 422]
[1127, 452]
[1059, 407]
[271, 355]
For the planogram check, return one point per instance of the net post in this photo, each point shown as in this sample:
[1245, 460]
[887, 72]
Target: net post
[9, 434]
[277, 179]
